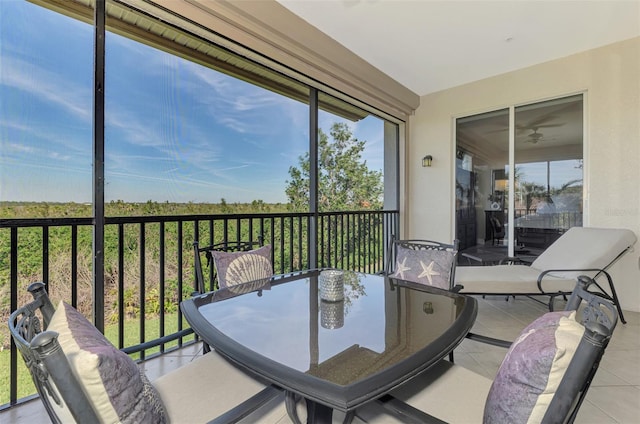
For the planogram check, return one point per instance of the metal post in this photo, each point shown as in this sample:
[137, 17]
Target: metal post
[98, 166]
[313, 177]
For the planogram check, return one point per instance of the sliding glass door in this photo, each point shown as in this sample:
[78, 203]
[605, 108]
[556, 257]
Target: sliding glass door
[525, 212]
[482, 160]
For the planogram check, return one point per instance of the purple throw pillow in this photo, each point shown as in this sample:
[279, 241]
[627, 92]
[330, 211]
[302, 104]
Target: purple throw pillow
[533, 368]
[118, 390]
[430, 267]
[235, 268]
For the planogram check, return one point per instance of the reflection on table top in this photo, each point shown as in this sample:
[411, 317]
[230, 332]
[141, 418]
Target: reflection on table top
[382, 326]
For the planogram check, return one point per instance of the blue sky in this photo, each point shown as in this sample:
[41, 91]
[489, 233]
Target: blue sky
[560, 173]
[175, 131]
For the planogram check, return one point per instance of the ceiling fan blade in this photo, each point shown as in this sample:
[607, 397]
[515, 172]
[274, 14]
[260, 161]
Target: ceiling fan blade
[524, 128]
[497, 131]
[541, 120]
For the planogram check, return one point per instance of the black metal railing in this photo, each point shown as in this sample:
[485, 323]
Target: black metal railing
[149, 268]
[552, 220]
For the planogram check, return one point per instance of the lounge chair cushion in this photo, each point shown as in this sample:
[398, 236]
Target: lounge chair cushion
[511, 279]
[242, 267]
[430, 267]
[118, 390]
[584, 248]
[533, 368]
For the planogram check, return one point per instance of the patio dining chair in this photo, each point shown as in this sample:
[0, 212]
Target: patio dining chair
[543, 378]
[238, 265]
[431, 263]
[81, 377]
[231, 262]
[423, 261]
[498, 231]
[579, 251]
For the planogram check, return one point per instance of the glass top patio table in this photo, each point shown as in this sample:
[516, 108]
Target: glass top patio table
[335, 354]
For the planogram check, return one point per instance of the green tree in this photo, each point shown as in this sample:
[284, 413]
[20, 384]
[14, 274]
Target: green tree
[531, 191]
[345, 183]
[344, 180]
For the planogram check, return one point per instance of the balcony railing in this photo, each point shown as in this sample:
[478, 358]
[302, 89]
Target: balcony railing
[557, 220]
[149, 269]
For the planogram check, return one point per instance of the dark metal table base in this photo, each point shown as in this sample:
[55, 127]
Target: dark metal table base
[316, 412]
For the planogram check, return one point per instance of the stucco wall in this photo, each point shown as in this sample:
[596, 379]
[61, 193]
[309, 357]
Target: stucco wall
[610, 77]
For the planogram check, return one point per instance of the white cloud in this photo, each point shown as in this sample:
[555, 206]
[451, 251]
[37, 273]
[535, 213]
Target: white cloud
[48, 86]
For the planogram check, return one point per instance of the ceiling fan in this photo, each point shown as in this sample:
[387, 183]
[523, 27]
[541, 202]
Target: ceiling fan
[541, 121]
[534, 126]
[534, 137]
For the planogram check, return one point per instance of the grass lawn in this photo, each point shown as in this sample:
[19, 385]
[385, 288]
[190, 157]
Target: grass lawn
[132, 337]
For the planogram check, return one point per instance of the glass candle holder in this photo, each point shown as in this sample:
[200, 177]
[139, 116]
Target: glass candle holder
[331, 284]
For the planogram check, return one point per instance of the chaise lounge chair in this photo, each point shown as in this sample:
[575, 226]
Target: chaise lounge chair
[579, 251]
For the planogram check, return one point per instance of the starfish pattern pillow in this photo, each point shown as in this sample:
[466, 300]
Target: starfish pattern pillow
[430, 267]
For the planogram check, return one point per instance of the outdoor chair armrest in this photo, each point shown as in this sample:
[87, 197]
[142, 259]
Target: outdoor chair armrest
[613, 297]
[597, 270]
[457, 288]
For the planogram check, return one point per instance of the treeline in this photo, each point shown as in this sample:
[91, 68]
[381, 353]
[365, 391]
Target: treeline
[9, 210]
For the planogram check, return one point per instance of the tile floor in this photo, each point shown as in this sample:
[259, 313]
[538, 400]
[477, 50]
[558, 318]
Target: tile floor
[614, 396]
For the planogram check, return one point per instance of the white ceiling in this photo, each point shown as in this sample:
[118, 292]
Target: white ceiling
[429, 45]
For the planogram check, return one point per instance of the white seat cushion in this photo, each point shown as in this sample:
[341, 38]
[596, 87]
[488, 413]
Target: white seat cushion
[446, 391]
[207, 387]
[508, 279]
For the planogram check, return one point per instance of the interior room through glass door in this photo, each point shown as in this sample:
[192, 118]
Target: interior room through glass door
[545, 197]
[482, 168]
[548, 171]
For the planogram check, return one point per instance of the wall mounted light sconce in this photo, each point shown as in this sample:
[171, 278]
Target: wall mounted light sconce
[426, 161]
